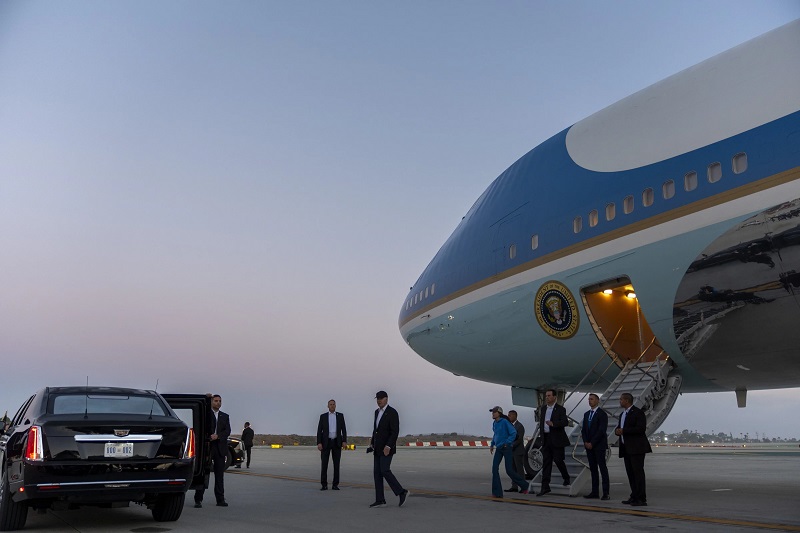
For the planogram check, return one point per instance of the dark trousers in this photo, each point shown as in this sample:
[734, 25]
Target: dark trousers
[597, 460]
[332, 449]
[218, 465]
[248, 450]
[551, 454]
[634, 467]
[382, 470]
[519, 458]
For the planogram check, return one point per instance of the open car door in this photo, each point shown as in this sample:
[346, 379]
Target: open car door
[194, 410]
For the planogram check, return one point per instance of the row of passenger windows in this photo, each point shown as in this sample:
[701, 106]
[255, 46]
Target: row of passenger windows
[713, 174]
[421, 295]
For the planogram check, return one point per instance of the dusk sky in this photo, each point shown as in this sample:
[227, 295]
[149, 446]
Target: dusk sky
[235, 197]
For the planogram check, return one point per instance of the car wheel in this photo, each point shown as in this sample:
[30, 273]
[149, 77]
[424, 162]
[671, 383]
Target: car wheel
[168, 507]
[228, 459]
[12, 514]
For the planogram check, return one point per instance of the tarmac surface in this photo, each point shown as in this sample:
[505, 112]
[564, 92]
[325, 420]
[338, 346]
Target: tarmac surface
[688, 489]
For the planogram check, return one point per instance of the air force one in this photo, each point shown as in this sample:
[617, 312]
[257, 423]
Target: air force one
[651, 248]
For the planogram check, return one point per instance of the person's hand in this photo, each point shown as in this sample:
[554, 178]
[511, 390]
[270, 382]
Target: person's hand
[549, 423]
[491, 450]
[386, 451]
[587, 445]
[319, 447]
[618, 432]
[344, 445]
[214, 436]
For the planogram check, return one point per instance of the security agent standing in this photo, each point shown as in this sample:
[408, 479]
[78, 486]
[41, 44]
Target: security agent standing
[247, 440]
[220, 427]
[331, 440]
[594, 432]
[633, 445]
[517, 449]
[383, 445]
[552, 421]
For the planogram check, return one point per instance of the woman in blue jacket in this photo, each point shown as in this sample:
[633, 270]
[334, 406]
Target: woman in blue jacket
[503, 440]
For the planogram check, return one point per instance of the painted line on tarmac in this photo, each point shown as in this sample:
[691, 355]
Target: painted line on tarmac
[556, 505]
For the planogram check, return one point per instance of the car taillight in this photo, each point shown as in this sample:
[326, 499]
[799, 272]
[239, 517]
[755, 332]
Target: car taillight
[34, 451]
[188, 451]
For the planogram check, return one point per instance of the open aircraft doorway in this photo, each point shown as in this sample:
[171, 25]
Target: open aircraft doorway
[621, 327]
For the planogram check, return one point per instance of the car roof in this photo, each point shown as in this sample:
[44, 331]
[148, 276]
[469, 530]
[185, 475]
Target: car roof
[98, 390]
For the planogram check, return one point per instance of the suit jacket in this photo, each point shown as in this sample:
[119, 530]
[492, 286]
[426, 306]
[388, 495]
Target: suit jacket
[558, 435]
[386, 432]
[223, 431]
[634, 434]
[247, 437]
[595, 432]
[323, 433]
[518, 448]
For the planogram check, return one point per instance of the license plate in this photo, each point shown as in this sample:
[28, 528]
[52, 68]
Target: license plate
[119, 449]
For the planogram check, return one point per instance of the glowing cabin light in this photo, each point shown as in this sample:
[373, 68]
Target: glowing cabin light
[608, 291]
[630, 294]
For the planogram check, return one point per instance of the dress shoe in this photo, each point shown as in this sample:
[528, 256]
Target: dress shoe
[248, 466]
[222, 504]
[606, 497]
[526, 491]
[378, 504]
[543, 492]
[566, 482]
[403, 495]
[638, 504]
[198, 505]
[512, 489]
[628, 501]
[591, 496]
[324, 488]
[335, 487]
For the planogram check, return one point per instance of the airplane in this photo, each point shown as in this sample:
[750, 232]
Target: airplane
[653, 245]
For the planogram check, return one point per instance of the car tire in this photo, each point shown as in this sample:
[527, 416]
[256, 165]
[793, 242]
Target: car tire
[168, 507]
[12, 514]
[228, 459]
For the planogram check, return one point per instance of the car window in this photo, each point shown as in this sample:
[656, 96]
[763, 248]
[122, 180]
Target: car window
[120, 404]
[21, 413]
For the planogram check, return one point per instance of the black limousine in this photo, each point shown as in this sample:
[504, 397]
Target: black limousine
[69, 447]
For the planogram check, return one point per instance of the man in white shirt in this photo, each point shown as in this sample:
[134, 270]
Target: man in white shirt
[331, 440]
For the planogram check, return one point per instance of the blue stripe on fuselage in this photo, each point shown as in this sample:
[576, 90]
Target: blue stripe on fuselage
[545, 190]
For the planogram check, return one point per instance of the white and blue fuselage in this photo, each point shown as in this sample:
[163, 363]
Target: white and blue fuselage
[687, 192]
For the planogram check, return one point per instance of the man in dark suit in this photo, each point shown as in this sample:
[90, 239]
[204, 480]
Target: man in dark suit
[517, 449]
[247, 441]
[331, 440]
[633, 445]
[219, 425]
[383, 445]
[552, 421]
[594, 432]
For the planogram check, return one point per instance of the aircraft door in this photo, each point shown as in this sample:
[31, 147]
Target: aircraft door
[618, 321]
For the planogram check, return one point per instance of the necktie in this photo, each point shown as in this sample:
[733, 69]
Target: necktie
[591, 414]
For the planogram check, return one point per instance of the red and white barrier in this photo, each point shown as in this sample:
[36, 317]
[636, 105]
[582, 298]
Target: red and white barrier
[454, 444]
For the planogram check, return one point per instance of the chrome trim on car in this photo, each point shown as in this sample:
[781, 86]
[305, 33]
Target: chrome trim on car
[109, 483]
[114, 438]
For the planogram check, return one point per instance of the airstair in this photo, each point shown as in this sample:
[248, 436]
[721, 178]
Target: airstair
[654, 389]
